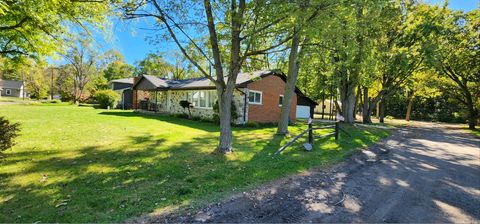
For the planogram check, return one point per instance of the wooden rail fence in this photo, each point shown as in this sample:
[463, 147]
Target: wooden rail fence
[308, 146]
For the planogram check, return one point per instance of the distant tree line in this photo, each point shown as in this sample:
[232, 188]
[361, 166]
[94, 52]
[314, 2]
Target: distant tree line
[86, 71]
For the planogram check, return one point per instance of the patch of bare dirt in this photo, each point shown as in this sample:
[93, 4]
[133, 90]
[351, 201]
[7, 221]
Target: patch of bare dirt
[423, 173]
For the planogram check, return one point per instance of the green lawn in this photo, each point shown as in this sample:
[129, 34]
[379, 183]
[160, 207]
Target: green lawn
[475, 132]
[79, 164]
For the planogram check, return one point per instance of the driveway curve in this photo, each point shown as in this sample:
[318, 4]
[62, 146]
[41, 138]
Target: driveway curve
[425, 172]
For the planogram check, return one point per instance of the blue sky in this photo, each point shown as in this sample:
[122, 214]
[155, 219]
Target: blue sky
[132, 38]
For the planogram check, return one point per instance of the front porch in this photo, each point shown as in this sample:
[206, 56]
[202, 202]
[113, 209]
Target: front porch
[156, 96]
[154, 101]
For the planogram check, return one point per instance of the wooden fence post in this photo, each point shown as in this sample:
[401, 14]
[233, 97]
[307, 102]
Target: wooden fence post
[337, 123]
[310, 132]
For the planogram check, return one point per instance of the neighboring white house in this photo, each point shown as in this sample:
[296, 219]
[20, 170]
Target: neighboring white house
[11, 88]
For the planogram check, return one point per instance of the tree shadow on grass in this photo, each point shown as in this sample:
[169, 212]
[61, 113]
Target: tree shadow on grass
[103, 184]
[205, 126]
[414, 185]
[147, 173]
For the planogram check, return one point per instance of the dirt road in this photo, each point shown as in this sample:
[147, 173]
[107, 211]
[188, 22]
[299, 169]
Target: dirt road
[423, 173]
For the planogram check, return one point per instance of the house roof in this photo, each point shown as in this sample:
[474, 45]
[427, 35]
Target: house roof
[11, 84]
[203, 82]
[125, 80]
[156, 83]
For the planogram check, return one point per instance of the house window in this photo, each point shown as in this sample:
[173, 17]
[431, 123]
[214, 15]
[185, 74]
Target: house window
[212, 97]
[8, 92]
[254, 97]
[202, 98]
[280, 100]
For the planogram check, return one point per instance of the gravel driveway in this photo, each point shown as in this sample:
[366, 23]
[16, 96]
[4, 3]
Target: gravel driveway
[422, 173]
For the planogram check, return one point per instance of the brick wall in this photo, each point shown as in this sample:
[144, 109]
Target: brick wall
[138, 95]
[269, 111]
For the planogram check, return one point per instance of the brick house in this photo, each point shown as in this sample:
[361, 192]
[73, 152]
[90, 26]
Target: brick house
[257, 97]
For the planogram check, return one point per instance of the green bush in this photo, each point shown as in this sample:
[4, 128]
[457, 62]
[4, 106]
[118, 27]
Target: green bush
[107, 98]
[184, 116]
[207, 120]
[8, 132]
[51, 101]
[186, 106]
[252, 124]
[216, 116]
[196, 118]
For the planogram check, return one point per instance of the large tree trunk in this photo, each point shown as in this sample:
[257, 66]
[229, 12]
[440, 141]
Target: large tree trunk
[371, 104]
[225, 115]
[355, 106]
[382, 110]
[348, 98]
[359, 110]
[225, 90]
[323, 104]
[411, 97]
[472, 112]
[472, 118]
[293, 66]
[74, 92]
[366, 107]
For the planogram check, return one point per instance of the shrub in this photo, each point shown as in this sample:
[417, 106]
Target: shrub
[216, 116]
[252, 124]
[186, 105]
[51, 101]
[207, 120]
[184, 116]
[107, 98]
[196, 118]
[8, 132]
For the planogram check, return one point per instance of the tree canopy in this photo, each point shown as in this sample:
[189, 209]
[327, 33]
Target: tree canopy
[41, 27]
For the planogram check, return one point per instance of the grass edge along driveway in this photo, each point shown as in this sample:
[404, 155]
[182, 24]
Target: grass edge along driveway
[79, 164]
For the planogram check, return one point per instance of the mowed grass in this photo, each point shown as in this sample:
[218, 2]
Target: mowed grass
[475, 132]
[79, 164]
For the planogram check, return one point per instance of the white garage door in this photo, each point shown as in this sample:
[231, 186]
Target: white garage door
[303, 111]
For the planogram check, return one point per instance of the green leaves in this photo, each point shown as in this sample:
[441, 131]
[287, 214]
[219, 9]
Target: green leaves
[39, 27]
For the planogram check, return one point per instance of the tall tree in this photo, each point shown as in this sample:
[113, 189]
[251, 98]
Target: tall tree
[421, 83]
[293, 66]
[400, 51]
[83, 60]
[153, 64]
[456, 55]
[116, 67]
[351, 49]
[302, 33]
[232, 26]
[118, 70]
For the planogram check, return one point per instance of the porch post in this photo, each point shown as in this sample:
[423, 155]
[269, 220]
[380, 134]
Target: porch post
[156, 105]
[168, 100]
